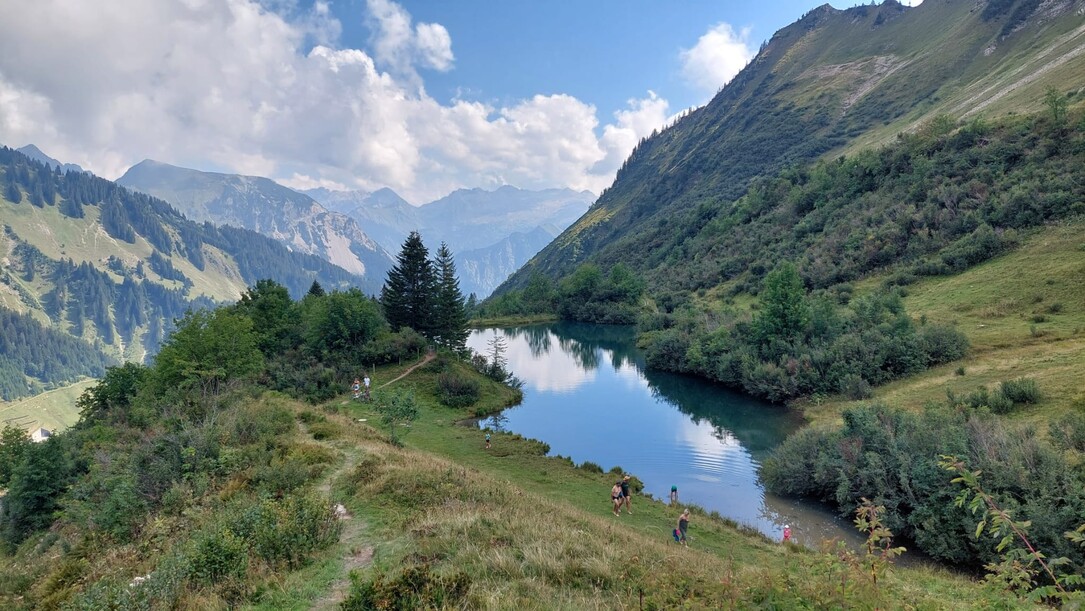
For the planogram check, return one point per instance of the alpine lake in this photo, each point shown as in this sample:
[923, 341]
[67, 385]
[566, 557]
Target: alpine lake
[589, 395]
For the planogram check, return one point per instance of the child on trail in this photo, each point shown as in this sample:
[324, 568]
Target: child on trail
[616, 497]
[357, 388]
[365, 381]
[487, 441]
[683, 525]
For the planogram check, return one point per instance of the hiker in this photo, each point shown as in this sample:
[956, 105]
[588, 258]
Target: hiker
[787, 533]
[674, 494]
[683, 525]
[365, 381]
[487, 440]
[356, 387]
[625, 495]
[616, 497]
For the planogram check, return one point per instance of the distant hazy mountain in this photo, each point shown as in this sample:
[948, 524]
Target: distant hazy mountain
[386, 217]
[36, 154]
[263, 205]
[92, 273]
[491, 233]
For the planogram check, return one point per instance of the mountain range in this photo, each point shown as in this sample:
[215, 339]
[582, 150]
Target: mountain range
[267, 207]
[491, 233]
[84, 257]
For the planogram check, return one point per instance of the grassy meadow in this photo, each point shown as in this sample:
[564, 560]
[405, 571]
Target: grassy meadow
[1024, 314]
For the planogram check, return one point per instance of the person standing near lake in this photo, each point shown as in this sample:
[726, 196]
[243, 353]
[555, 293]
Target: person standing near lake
[683, 526]
[674, 494]
[487, 440]
[616, 497]
[625, 495]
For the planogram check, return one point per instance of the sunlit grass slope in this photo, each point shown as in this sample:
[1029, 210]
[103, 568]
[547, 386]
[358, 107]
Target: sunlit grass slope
[1024, 313]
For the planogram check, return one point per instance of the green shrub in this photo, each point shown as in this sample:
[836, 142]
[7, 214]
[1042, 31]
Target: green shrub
[591, 467]
[417, 587]
[942, 343]
[855, 387]
[325, 430]
[218, 554]
[287, 532]
[280, 476]
[308, 417]
[1021, 390]
[1068, 432]
[457, 391]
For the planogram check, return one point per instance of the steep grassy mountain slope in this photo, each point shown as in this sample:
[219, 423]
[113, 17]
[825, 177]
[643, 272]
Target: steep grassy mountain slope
[264, 206]
[113, 268]
[831, 80]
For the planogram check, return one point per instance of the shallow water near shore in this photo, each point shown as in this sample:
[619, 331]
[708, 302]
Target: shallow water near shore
[589, 396]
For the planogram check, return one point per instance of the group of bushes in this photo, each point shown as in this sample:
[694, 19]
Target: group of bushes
[586, 295]
[798, 345]
[1001, 400]
[891, 456]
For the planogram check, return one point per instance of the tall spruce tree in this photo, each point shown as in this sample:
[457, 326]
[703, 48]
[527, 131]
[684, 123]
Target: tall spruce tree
[450, 313]
[409, 293]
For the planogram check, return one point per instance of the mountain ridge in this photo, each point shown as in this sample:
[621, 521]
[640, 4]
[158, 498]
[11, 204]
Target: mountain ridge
[800, 100]
[262, 205]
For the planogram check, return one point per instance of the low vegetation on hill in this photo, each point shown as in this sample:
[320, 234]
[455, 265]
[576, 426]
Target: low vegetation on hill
[235, 472]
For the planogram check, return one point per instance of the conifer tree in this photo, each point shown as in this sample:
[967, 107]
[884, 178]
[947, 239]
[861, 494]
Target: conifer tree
[408, 294]
[316, 290]
[450, 313]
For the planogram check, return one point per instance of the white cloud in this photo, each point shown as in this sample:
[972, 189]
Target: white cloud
[717, 57]
[263, 88]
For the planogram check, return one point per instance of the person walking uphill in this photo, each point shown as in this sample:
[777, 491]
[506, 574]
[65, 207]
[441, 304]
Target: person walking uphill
[683, 526]
[616, 498]
[625, 495]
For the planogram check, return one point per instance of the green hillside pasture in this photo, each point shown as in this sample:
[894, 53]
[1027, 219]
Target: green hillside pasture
[61, 237]
[54, 409]
[1024, 313]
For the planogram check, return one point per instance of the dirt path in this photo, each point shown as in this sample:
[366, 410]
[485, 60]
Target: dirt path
[357, 549]
[429, 357]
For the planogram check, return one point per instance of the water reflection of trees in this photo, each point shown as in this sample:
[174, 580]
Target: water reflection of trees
[586, 343]
[758, 426]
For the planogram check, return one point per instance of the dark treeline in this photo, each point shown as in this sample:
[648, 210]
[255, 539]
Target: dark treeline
[30, 350]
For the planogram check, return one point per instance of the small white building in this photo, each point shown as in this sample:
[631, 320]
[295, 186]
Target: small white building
[39, 435]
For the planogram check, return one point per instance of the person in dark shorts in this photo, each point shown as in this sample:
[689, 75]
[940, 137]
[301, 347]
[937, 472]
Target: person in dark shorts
[683, 526]
[616, 498]
[626, 495]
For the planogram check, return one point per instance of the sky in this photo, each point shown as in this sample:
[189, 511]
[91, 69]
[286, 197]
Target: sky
[422, 96]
